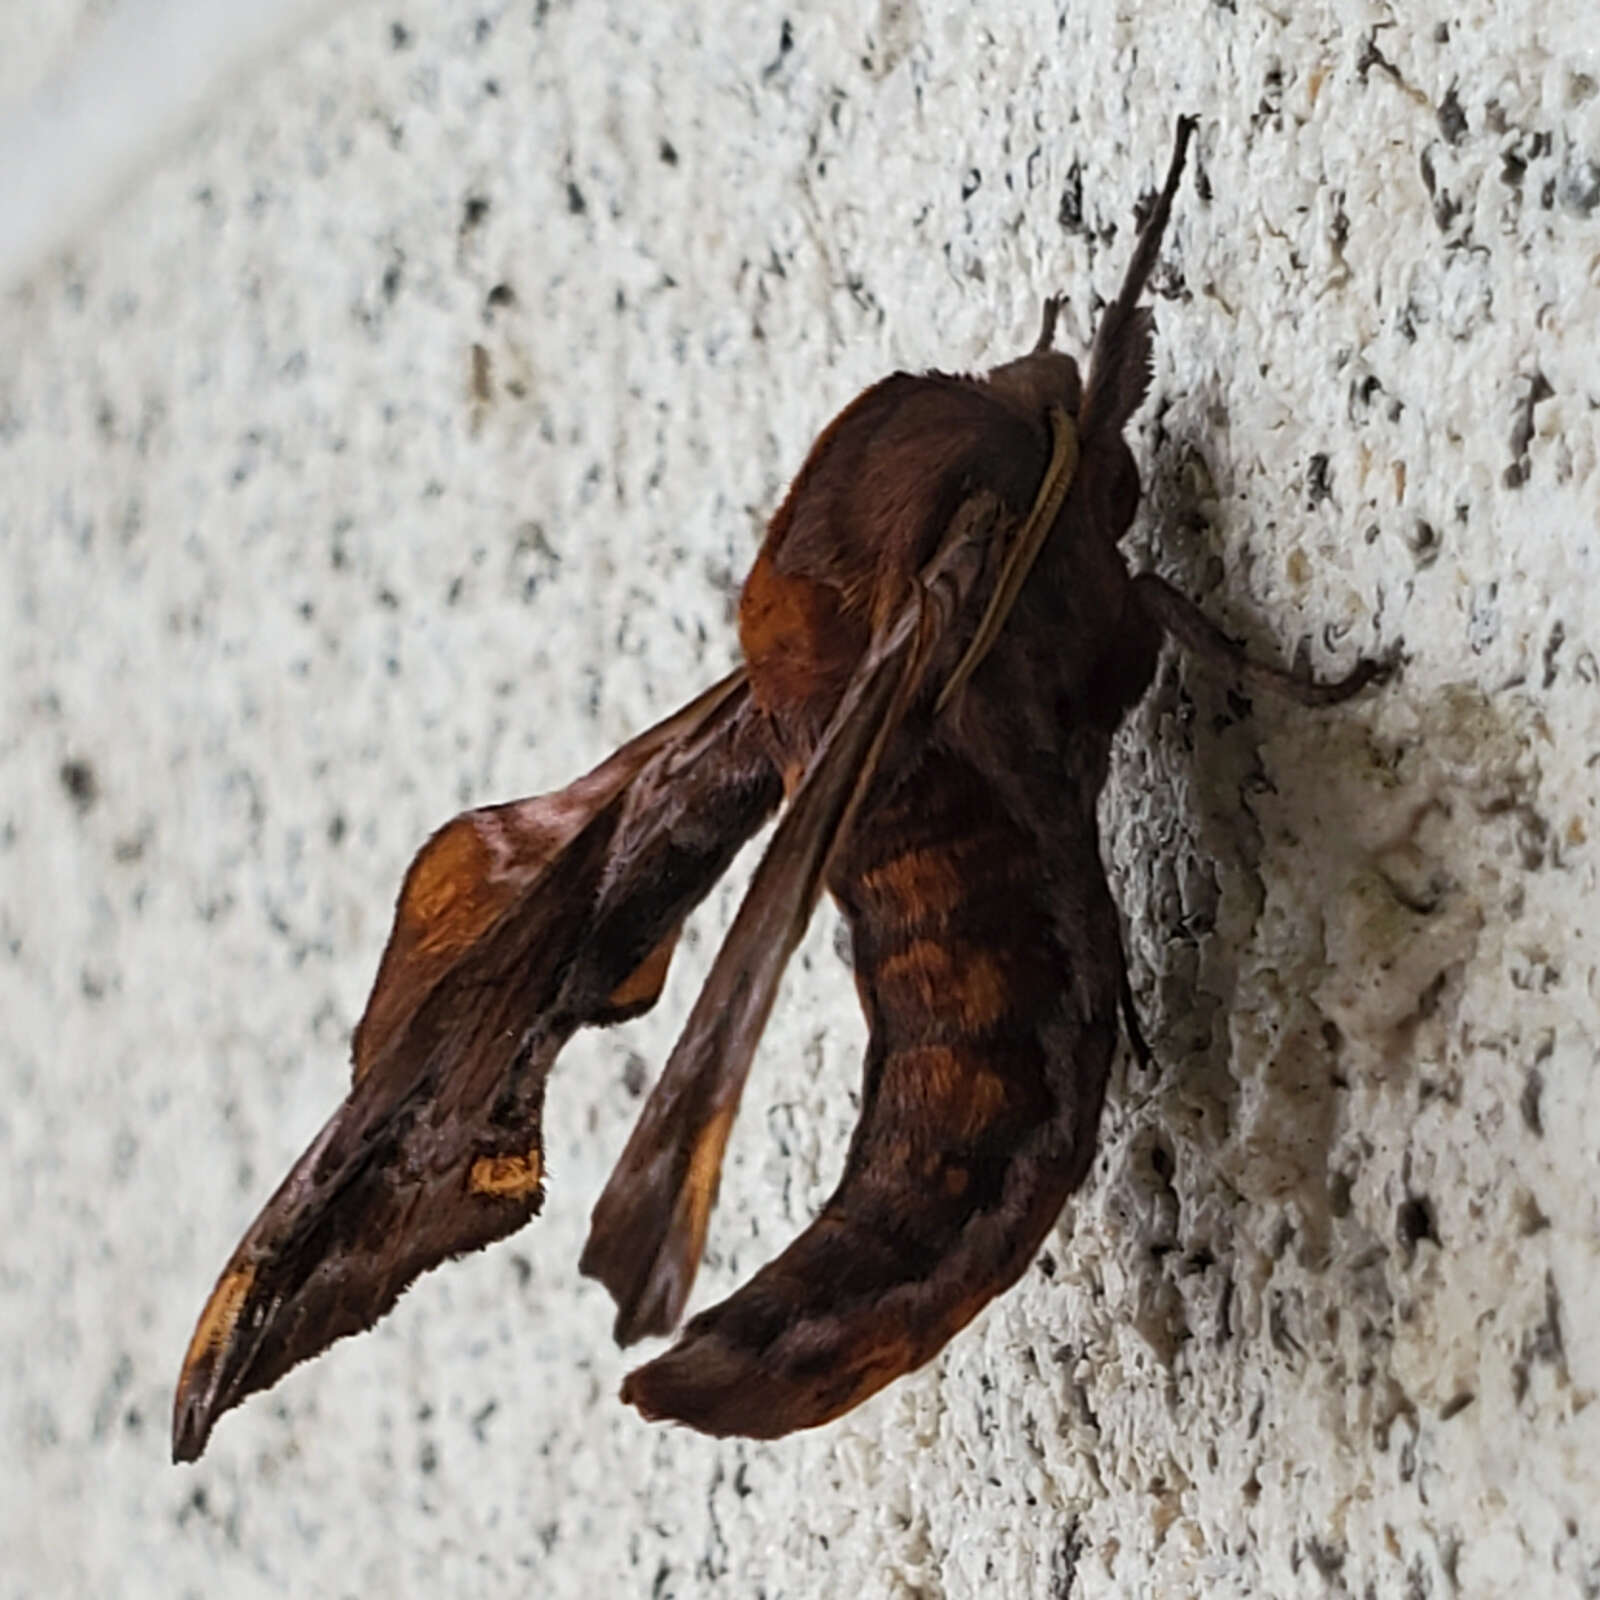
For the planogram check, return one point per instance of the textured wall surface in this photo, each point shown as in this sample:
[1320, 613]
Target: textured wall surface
[290, 571]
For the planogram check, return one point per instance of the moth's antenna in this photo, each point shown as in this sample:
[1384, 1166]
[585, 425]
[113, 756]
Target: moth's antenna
[1119, 366]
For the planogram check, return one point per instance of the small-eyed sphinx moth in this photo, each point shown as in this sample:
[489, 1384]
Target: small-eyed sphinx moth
[940, 639]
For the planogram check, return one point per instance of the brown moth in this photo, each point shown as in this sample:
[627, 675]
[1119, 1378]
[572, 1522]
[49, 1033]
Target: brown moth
[940, 639]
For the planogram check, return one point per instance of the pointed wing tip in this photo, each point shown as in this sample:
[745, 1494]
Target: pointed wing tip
[647, 1231]
[205, 1363]
[192, 1422]
[208, 1388]
[636, 1322]
[649, 1296]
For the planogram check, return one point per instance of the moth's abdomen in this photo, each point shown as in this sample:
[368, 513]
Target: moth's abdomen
[991, 1037]
[958, 972]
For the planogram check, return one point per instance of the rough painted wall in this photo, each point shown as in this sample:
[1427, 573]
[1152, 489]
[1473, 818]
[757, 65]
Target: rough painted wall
[290, 573]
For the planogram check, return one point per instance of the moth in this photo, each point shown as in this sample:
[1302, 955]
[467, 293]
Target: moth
[940, 638]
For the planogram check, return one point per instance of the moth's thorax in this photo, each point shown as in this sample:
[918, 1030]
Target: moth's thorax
[865, 515]
[1033, 383]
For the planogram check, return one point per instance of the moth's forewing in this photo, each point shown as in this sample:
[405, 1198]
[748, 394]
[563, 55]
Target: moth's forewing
[516, 924]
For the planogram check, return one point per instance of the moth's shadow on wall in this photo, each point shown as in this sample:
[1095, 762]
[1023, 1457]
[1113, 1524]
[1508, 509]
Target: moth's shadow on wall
[1240, 832]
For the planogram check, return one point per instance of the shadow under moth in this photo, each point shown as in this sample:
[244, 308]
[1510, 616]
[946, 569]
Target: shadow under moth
[940, 638]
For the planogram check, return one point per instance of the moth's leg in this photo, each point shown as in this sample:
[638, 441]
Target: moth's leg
[1174, 613]
[1125, 1004]
[1130, 1022]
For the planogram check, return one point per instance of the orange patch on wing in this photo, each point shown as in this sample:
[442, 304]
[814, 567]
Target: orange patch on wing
[507, 1177]
[446, 904]
[221, 1315]
[799, 643]
[642, 986]
[447, 901]
[705, 1169]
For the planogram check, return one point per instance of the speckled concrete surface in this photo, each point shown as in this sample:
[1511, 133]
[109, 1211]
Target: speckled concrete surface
[292, 571]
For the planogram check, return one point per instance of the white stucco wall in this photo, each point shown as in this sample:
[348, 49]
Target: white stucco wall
[280, 592]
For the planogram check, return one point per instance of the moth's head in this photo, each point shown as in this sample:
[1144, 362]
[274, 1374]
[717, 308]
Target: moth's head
[1033, 383]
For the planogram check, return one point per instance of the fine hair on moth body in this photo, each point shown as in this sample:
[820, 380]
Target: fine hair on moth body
[940, 638]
